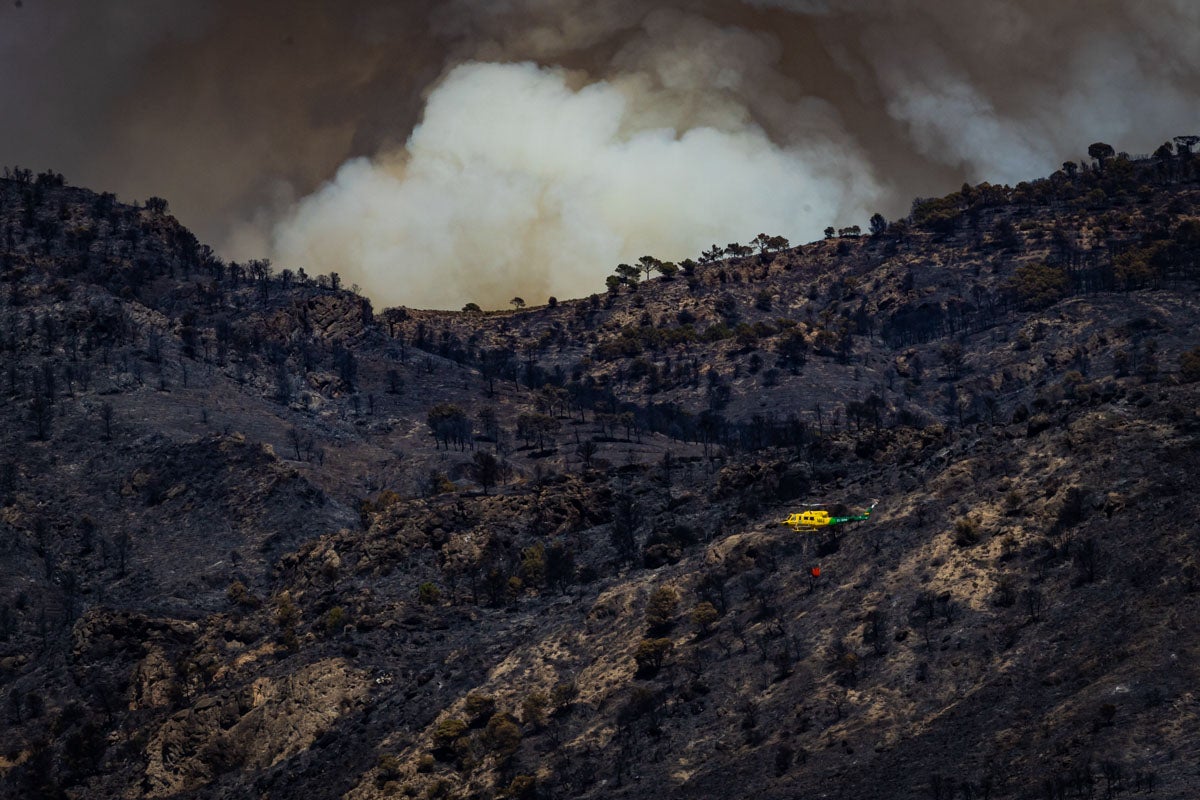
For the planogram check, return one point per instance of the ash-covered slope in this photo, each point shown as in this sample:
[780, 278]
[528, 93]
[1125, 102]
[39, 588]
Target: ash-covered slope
[259, 540]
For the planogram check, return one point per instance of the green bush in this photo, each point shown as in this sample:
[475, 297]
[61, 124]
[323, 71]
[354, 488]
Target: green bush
[938, 214]
[287, 613]
[382, 502]
[438, 483]
[429, 594]
[1074, 384]
[439, 789]
[240, 596]
[650, 655]
[479, 708]
[533, 565]
[1039, 285]
[1141, 266]
[334, 619]
[533, 708]
[502, 736]
[660, 608]
[449, 738]
[704, 615]
[717, 332]
[389, 767]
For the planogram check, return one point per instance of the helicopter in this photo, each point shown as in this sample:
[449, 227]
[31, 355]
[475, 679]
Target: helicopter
[820, 517]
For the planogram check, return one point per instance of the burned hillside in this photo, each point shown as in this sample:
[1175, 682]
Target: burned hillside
[262, 538]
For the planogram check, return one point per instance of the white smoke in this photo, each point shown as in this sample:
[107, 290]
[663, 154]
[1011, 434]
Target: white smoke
[518, 183]
[1006, 91]
[685, 121]
[534, 181]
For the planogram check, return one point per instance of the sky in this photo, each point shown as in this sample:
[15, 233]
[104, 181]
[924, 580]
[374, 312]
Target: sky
[438, 152]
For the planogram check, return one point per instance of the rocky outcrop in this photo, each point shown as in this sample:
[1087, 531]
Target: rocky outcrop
[250, 728]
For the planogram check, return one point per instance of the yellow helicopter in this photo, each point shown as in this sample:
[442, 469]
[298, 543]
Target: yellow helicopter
[816, 517]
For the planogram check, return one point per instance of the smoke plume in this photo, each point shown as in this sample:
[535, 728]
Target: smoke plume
[439, 153]
[515, 183]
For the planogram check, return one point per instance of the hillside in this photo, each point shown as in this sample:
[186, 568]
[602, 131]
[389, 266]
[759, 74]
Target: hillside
[261, 540]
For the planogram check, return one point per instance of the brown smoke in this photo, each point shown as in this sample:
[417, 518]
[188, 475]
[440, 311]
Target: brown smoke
[643, 126]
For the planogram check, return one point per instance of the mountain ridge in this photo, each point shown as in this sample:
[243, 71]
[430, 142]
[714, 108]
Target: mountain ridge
[262, 539]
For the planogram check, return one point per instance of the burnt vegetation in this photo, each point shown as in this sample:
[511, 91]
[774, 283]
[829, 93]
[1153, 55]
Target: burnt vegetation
[259, 538]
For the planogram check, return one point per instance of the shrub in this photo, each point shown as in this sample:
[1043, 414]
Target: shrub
[1039, 285]
[533, 565]
[287, 613]
[438, 483]
[716, 332]
[383, 501]
[1008, 547]
[1139, 267]
[844, 663]
[533, 709]
[952, 357]
[966, 532]
[449, 737]
[650, 655]
[704, 615]
[660, 608]
[562, 695]
[240, 596]
[641, 702]
[939, 214]
[1005, 595]
[389, 767]
[521, 787]
[502, 736]
[429, 594]
[479, 708]
[334, 619]
[438, 790]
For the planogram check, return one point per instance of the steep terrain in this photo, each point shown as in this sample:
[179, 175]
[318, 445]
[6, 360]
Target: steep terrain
[259, 540]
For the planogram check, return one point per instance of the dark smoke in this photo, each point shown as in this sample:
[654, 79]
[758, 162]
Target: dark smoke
[642, 127]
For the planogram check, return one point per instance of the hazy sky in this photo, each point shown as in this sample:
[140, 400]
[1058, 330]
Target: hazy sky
[440, 152]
